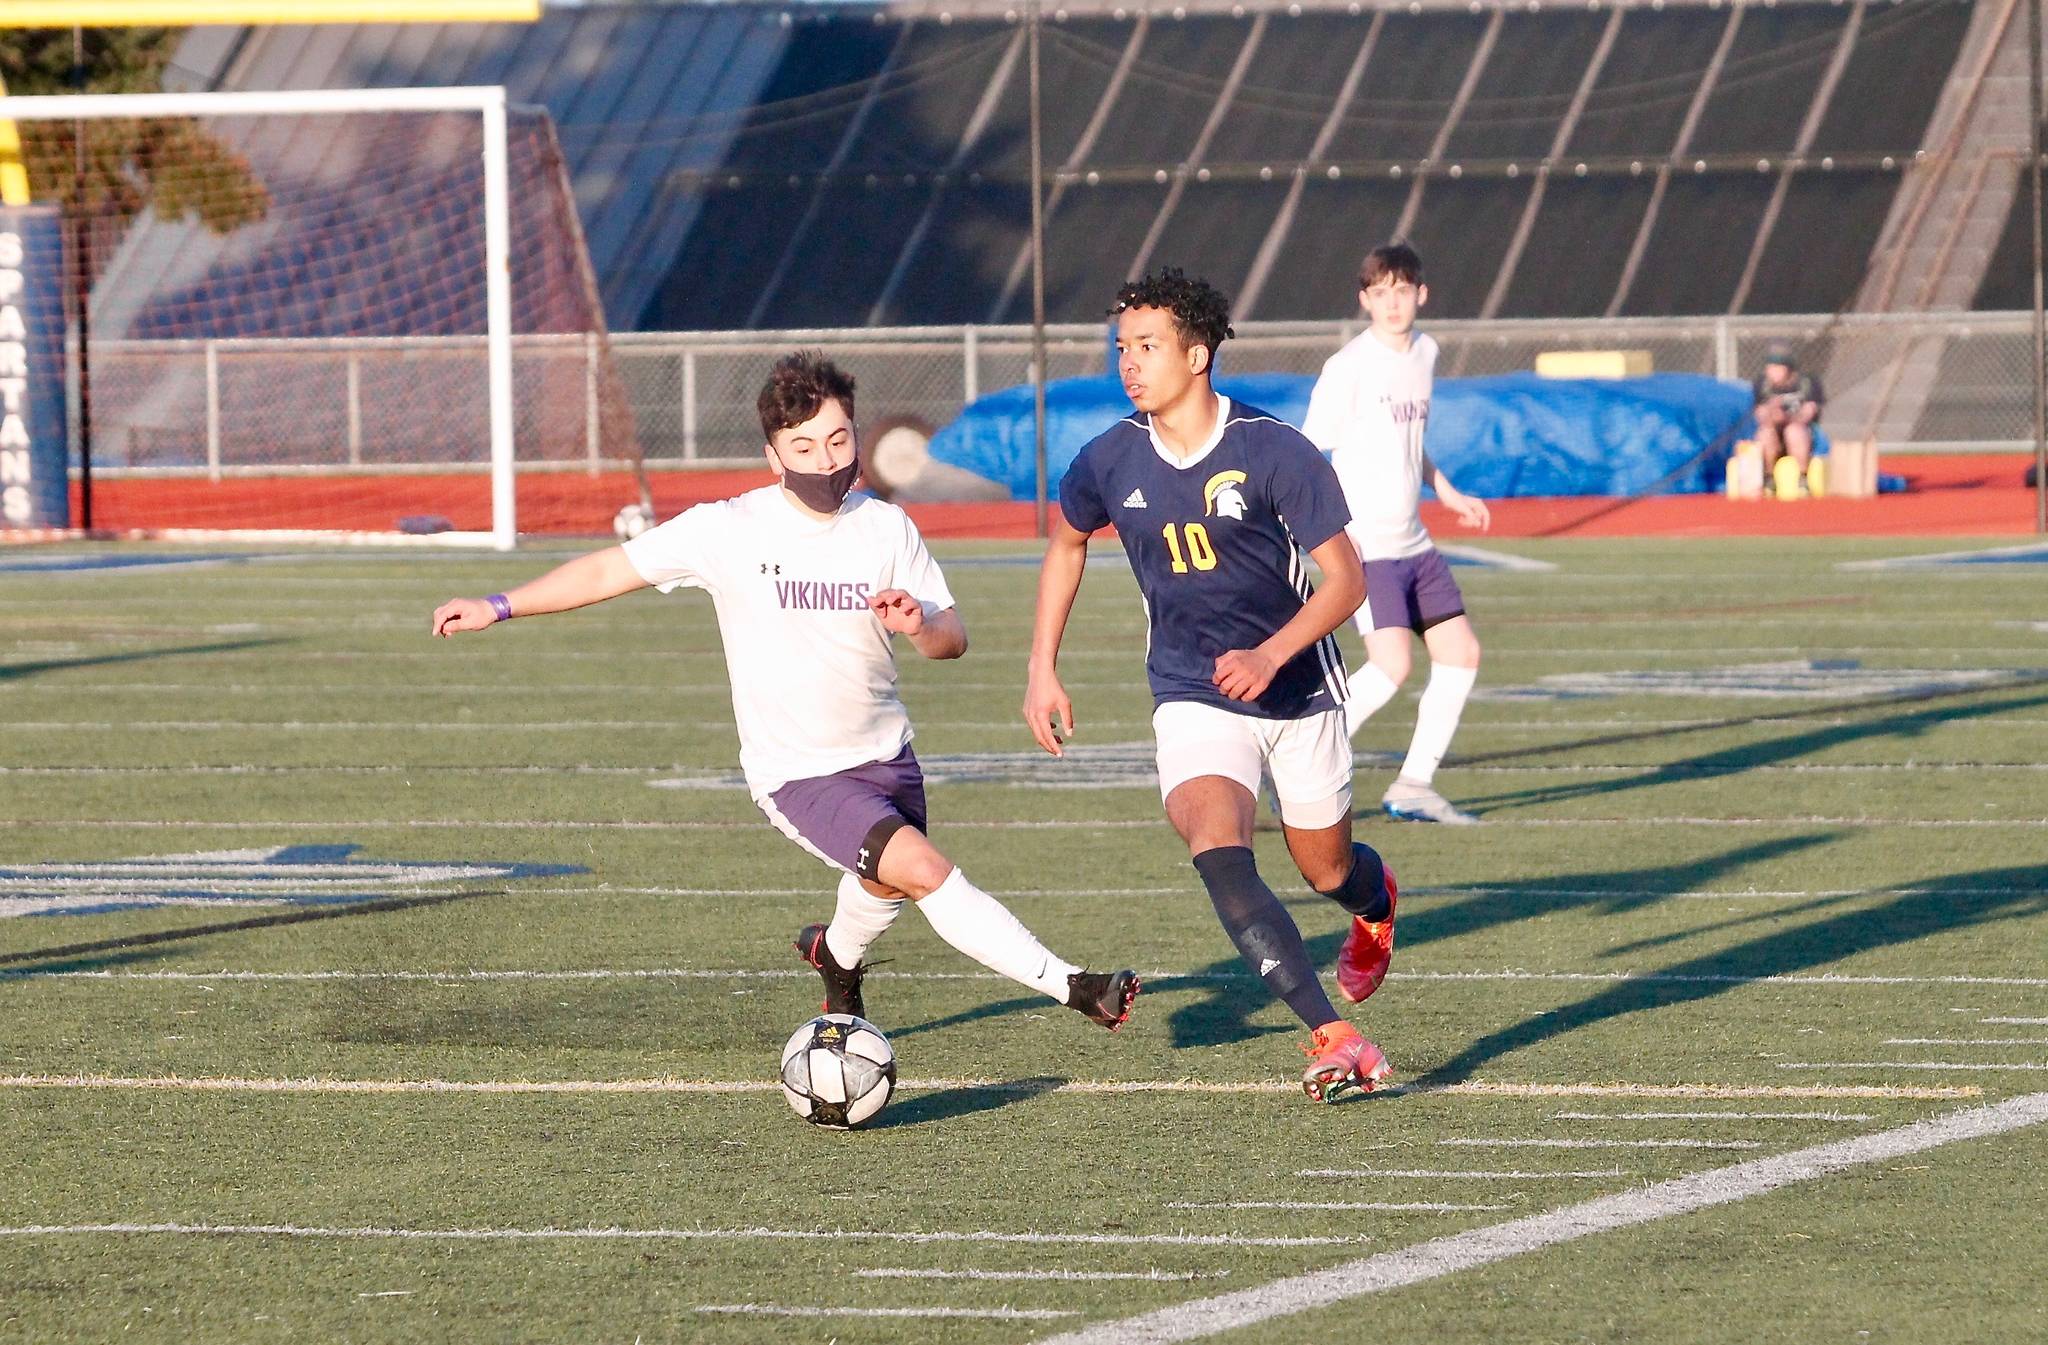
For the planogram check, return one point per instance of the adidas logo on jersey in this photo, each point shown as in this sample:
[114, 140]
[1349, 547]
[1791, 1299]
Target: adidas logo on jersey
[1266, 967]
[1135, 500]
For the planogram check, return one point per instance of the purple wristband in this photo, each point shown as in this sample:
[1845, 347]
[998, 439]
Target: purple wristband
[501, 605]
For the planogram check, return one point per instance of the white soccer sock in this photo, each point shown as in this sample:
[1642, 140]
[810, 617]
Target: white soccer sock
[1370, 689]
[860, 918]
[1443, 701]
[983, 928]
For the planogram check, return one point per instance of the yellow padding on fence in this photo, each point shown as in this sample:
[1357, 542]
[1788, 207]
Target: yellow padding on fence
[13, 174]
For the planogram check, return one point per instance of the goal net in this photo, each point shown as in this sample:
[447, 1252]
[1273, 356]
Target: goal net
[360, 313]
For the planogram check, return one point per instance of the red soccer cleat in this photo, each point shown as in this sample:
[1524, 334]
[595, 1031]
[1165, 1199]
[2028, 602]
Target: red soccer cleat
[1368, 948]
[1341, 1061]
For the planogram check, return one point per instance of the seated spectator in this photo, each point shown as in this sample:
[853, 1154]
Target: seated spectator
[1788, 405]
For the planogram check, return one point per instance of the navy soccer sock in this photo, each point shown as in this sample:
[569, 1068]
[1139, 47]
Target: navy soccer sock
[1364, 890]
[1265, 934]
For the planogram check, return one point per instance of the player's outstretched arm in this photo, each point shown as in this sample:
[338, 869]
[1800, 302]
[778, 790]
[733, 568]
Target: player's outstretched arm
[1059, 581]
[577, 583]
[1243, 674]
[939, 633]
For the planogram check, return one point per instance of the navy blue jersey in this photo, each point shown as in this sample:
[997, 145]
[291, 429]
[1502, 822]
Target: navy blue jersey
[1216, 543]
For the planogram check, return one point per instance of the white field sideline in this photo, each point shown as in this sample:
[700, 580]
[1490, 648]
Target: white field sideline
[204, 1084]
[1457, 1252]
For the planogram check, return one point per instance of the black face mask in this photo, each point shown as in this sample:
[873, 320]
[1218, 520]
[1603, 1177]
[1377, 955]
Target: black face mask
[822, 492]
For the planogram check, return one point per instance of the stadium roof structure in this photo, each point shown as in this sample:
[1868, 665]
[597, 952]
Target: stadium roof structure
[768, 166]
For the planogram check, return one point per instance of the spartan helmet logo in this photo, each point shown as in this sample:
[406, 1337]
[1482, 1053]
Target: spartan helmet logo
[1221, 497]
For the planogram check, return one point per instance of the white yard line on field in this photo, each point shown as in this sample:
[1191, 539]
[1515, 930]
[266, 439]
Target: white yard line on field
[1907, 1064]
[1390, 1206]
[1826, 979]
[1478, 1142]
[373, 1233]
[1477, 1088]
[984, 1314]
[1486, 1174]
[1965, 1041]
[1050, 779]
[1710, 1116]
[2016, 1022]
[1782, 822]
[1458, 1252]
[1159, 1276]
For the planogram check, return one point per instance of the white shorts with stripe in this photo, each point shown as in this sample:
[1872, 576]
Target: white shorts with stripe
[1308, 758]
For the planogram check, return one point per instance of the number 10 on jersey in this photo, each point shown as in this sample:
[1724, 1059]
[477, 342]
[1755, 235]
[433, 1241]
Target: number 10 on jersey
[1199, 550]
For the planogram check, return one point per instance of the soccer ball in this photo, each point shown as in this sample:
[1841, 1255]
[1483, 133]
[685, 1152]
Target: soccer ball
[631, 521]
[838, 1071]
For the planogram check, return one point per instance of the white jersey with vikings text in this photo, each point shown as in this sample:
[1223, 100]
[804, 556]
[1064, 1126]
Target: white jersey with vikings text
[1368, 412]
[813, 673]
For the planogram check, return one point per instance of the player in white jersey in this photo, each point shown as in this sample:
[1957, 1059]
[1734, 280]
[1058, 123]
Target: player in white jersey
[810, 583]
[1368, 412]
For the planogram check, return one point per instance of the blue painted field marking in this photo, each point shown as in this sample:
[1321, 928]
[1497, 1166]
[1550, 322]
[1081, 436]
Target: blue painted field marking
[287, 875]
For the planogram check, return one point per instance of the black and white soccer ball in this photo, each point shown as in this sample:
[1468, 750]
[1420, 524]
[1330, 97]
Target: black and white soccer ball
[631, 521]
[838, 1071]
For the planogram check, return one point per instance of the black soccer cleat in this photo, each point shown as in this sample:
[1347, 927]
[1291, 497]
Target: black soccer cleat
[842, 984]
[1104, 996]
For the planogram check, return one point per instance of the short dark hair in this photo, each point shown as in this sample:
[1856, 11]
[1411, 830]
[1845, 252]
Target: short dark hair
[1390, 261]
[1201, 315]
[798, 387]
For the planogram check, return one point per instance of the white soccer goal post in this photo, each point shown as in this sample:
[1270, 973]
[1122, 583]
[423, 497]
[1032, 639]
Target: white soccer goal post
[306, 311]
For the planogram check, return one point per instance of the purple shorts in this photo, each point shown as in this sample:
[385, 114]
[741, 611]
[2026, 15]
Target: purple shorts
[847, 817]
[1412, 591]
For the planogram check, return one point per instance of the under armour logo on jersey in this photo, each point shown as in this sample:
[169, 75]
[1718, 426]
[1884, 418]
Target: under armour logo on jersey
[1135, 500]
[766, 568]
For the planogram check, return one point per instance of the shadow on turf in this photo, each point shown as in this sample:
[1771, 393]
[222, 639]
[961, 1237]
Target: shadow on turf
[1937, 906]
[11, 672]
[946, 1104]
[102, 954]
[1223, 1015]
[1940, 711]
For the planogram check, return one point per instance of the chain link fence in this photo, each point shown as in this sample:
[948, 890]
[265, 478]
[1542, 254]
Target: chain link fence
[1912, 382]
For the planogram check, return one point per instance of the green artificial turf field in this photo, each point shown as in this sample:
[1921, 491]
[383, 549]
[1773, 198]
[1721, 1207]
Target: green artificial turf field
[362, 986]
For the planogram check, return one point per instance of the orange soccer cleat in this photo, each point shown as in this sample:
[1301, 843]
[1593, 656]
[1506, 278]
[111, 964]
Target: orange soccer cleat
[1341, 1061]
[1368, 948]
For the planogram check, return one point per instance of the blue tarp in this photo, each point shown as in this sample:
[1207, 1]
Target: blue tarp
[1500, 436]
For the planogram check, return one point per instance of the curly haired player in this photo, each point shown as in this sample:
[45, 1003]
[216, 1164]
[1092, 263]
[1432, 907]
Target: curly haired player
[1214, 503]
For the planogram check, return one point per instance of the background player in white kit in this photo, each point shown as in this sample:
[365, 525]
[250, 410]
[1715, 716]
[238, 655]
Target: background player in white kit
[809, 585]
[1368, 411]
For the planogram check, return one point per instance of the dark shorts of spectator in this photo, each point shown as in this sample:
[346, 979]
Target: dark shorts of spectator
[847, 818]
[1412, 592]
